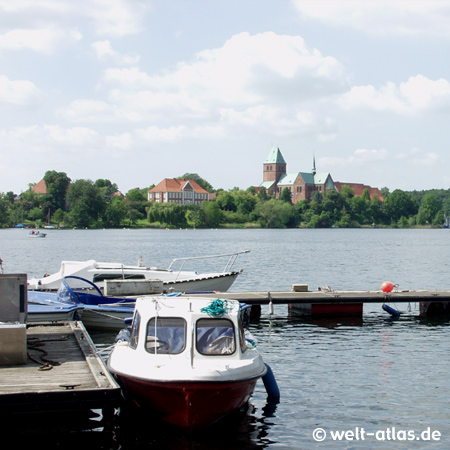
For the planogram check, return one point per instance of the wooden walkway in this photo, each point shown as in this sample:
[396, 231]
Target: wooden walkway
[331, 296]
[63, 373]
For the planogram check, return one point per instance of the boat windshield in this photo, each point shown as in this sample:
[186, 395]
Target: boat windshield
[135, 330]
[215, 337]
[166, 335]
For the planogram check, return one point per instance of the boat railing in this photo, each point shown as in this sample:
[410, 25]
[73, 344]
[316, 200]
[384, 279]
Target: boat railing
[228, 266]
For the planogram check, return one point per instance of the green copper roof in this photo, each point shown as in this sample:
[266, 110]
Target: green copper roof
[287, 179]
[267, 184]
[308, 178]
[274, 157]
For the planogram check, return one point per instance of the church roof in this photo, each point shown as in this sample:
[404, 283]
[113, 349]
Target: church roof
[308, 178]
[275, 157]
[267, 184]
[288, 179]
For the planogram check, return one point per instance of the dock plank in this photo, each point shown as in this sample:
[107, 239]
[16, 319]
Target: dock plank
[62, 371]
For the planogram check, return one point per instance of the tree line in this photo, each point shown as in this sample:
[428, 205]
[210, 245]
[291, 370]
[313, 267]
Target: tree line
[88, 204]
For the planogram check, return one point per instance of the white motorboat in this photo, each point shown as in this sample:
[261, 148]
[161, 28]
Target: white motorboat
[36, 234]
[173, 280]
[187, 360]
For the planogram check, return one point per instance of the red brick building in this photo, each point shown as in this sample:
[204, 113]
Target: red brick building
[301, 184]
[359, 188]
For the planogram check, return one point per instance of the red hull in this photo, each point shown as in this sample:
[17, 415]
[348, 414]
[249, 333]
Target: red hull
[188, 405]
[337, 309]
[329, 309]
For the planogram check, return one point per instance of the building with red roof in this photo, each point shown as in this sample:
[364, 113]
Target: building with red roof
[40, 188]
[183, 191]
[359, 188]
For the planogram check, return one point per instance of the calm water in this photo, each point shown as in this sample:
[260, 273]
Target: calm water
[389, 378]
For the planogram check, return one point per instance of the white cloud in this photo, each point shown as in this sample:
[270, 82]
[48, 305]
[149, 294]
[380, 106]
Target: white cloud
[359, 157]
[97, 111]
[122, 141]
[419, 158]
[18, 92]
[40, 40]
[177, 133]
[105, 52]
[115, 17]
[47, 138]
[245, 79]
[416, 96]
[48, 25]
[410, 18]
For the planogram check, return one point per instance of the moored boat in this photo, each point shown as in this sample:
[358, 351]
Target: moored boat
[177, 280]
[47, 307]
[187, 361]
[100, 312]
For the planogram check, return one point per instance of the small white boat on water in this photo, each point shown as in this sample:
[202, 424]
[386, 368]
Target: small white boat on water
[173, 280]
[36, 234]
[187, 361]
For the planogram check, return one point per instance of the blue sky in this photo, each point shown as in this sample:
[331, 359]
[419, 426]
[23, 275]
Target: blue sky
[137, 91]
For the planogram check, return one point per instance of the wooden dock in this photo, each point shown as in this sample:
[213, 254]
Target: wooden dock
[63, 373]
[331, 296]
[328, 302]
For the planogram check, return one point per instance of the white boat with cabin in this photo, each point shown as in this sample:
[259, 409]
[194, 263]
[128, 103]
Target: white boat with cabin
[187, 361]
[173, 280]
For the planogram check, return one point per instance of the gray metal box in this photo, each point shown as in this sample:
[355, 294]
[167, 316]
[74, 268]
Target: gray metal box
[13, 298]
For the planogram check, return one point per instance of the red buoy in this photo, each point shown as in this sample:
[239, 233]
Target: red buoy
[387, 286]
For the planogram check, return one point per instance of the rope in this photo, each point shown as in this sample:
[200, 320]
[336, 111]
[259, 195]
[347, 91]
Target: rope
[217, 308]
[35, 344]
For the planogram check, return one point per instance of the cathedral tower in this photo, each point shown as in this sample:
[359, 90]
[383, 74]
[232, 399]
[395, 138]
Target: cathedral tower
[274, 165]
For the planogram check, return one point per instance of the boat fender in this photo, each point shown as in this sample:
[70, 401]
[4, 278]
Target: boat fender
[271, 385]
[393, 312]
[387, 287]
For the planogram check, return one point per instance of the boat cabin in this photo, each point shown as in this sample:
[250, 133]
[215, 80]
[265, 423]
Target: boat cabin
[170, 331]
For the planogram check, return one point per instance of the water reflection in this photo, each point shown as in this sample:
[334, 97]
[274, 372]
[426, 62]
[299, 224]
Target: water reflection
[247, 428]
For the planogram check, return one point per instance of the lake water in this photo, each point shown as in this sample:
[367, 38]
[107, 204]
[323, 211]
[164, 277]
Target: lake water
[383, 382]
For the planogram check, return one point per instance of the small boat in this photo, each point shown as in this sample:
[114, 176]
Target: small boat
[36, 234]
[99, 311]
[47, 307]
[172, 279]
[187, 361]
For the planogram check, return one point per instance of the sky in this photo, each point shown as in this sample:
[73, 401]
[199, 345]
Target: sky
[136, 91]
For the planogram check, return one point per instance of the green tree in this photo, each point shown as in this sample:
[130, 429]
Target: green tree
[4, 206]
[276, 214]
[429, 207]
[398, 204]
[115, 213]
[107, 188]
[196, 216]
[245, 201]
[262, 194]
[212, 214]
[57, 184]
[198, 179]
[226, 201]
[286, 195]
[366, 195]
[86, 204]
